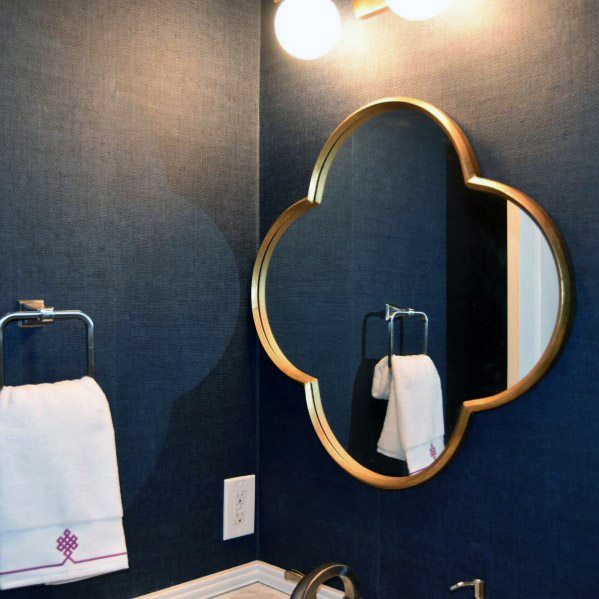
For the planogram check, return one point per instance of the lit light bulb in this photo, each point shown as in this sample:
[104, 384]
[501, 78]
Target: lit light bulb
[418, 10]
[307, 29]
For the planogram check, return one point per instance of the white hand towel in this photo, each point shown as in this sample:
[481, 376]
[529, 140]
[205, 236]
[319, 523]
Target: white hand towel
[414, 427]
[60, 503]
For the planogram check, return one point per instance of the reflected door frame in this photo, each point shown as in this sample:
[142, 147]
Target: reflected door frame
[533, 296]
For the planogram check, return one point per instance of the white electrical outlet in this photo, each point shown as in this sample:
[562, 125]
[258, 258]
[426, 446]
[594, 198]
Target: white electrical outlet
[239, 506]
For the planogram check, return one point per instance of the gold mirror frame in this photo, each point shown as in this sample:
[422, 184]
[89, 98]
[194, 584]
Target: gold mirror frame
[472, 180]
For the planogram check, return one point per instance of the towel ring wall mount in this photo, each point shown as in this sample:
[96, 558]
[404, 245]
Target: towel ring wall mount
[473, 182]
[35, 314]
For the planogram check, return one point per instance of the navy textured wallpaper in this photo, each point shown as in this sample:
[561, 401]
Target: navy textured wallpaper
[129, 186]
[517, 506]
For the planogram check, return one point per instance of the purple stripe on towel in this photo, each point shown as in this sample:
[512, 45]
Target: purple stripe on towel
[75, 561]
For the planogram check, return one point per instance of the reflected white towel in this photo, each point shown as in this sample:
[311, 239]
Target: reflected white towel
[60, 503]
[381, 389]
[381, 380]
[414, 428]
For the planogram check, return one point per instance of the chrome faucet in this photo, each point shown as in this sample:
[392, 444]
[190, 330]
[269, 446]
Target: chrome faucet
[307, 587]
[478, 584]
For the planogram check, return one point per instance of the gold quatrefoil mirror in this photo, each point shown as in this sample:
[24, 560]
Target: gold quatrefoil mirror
[407, 292]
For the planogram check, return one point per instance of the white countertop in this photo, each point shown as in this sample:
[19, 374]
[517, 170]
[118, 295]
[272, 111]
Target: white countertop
[255, 591]
[254, 580]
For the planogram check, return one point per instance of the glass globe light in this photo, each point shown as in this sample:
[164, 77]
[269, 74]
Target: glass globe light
[418, 10]
[307, 29]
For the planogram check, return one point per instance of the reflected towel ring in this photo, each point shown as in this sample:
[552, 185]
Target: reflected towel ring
[391, 312]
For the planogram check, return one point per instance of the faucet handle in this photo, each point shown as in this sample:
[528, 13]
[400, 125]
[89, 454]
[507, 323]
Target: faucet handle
[477, 583]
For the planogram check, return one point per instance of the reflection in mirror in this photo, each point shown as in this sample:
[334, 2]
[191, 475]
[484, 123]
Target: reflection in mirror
[398, 226]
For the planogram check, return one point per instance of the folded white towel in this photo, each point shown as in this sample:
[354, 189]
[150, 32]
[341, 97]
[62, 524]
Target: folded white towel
[414, 427]
[60, 503]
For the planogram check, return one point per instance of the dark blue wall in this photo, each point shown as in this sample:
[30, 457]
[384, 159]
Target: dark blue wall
[517, 506]
[128, 182]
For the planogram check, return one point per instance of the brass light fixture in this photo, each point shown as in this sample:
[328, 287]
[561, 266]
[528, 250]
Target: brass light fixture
[309, 29]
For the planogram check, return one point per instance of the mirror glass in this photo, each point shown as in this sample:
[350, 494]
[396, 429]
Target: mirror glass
[397, 226]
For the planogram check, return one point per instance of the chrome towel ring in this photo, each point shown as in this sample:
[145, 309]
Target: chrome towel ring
[34, 313]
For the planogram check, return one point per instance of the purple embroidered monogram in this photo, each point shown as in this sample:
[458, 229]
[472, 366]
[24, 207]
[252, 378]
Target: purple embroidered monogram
[67, 543]
[433, 452]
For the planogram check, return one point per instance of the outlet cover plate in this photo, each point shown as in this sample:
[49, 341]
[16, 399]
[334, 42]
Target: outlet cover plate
[239, 506]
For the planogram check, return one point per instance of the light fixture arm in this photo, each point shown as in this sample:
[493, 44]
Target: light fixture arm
[364, 8]
[368, 8]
